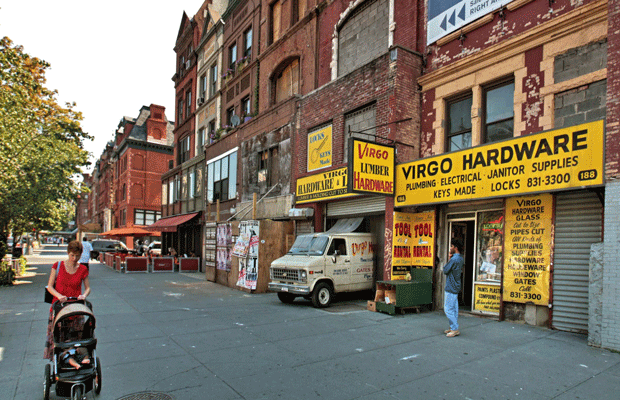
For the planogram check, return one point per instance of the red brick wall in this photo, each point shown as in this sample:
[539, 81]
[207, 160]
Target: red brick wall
[516, 22]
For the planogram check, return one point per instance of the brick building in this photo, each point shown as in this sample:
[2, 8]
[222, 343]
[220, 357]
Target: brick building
[498, 82]
[366, 72]
[142, 151]
[103, 189]
[182, 193]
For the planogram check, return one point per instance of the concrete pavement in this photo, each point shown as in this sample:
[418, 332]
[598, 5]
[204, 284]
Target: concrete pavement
[177, 336]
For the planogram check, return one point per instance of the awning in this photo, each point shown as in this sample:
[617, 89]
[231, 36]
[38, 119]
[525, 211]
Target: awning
[170, 224]
[129, 231]
[346, 225]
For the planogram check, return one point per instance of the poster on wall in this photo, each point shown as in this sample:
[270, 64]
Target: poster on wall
[490, 246]
[527, 262]
[423, 246]
[401, 245]
[242, 246]
[413, 242]
[224, 260]
[320, 148]
[487, 298]
[248, 263]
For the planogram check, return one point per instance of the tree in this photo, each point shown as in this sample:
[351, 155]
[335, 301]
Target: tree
[41, 147]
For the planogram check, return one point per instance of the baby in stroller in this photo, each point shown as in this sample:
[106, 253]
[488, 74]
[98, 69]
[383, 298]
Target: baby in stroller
[75, 357]
[75, 368]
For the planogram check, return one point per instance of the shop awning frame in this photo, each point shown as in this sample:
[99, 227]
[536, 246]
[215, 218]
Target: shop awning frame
[170, 224]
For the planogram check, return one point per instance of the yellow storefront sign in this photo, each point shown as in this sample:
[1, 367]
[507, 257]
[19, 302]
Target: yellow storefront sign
[320, 148]
[487, 298]
[527, 252]
[412, 242]
[543, 162]
[324, 186]
[372, 167]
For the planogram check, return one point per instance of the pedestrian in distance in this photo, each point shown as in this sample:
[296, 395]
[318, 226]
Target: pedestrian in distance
[453, 270]
[86, 249]
[66, 280]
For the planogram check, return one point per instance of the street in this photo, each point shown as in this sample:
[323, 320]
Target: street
[178, 336]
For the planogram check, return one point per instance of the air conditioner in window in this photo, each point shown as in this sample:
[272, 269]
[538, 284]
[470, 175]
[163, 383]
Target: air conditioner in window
[201, 101]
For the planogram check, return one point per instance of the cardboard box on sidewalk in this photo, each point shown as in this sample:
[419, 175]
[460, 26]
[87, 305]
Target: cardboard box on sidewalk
[371, 306]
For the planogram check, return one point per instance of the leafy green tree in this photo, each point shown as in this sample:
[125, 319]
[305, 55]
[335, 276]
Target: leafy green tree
[41, 147]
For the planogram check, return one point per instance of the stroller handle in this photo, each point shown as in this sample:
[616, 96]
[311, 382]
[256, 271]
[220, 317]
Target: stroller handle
[58, 304]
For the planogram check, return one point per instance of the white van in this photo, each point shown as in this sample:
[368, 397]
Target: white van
[319, 265]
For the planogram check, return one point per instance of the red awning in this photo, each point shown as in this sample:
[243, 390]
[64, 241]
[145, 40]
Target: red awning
[129, 231]
[170, 224]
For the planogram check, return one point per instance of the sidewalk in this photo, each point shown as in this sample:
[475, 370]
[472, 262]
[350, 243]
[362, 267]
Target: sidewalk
[177, 336]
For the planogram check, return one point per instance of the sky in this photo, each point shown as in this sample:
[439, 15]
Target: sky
[110, 58]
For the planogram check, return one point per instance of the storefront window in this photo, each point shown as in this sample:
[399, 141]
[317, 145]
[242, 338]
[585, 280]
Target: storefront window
[490, 245]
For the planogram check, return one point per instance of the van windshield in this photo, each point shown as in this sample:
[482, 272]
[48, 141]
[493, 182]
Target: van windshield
[309, 245]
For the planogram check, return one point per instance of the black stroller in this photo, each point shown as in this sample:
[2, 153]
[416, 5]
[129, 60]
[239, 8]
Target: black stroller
[75, 368]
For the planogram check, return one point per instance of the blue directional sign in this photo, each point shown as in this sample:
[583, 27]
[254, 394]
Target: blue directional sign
[447, 16]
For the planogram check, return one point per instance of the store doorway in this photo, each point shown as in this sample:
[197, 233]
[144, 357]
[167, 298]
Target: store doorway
[465, 230]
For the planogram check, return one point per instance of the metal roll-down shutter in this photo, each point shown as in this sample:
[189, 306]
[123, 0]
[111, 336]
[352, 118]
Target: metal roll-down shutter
[578, 224]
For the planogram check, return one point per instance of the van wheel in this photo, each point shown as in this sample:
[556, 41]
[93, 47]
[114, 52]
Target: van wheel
[286, 298]
[322, 295]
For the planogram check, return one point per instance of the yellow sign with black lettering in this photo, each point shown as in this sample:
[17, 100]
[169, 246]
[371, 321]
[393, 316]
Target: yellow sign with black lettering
[487, 298]
[558, 159]
[372, 167]
[325, 186]
[527, 252]
[320, 148]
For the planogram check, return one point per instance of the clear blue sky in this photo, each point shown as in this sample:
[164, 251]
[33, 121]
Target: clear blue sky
[110, 58]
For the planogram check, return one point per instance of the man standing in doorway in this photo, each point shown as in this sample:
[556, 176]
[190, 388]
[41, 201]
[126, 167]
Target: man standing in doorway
[86, 249]
[453, 270]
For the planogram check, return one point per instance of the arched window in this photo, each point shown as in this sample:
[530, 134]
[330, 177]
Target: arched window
[286, 81]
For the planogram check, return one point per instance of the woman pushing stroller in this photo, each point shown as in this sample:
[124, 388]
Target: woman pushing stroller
[65, 281]
[70, 346]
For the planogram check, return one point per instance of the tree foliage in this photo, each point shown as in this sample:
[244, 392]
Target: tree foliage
[41, 147]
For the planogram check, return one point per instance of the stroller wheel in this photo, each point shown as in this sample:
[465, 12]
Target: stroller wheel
[98, 377]
[47, 382]
[77, 393]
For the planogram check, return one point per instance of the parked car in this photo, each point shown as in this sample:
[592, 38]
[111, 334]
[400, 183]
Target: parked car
[107, 246]
[154, 249]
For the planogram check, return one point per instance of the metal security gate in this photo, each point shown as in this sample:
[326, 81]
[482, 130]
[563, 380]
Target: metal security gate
[578, 224]
[303, 227]
[356, 207]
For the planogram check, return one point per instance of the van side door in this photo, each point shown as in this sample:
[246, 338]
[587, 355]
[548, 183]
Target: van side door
[340, 271]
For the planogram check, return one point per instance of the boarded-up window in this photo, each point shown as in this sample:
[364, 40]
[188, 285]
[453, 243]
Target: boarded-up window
[276, 13]
[364, 36]
[287, 82]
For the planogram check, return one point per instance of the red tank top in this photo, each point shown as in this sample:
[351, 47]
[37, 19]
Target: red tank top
[68, 284]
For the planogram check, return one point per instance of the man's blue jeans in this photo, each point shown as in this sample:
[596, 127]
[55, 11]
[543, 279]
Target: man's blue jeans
[451, 308]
